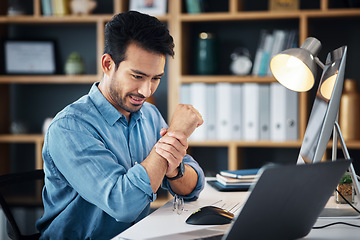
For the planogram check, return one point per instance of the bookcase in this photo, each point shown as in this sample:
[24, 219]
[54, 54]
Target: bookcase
[241, 21]
[234, 21]
[80, 33]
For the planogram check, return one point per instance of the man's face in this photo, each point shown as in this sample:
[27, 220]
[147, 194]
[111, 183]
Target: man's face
[136, 79]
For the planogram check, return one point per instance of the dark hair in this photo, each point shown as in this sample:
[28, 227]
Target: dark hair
[134, 27]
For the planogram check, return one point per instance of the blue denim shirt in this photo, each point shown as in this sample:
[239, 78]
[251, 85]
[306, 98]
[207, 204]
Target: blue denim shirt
[94, 186]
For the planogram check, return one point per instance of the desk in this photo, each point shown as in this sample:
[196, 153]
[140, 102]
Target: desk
[164, 223]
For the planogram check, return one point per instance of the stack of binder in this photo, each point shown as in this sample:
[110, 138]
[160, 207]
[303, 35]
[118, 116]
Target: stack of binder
[243, 111]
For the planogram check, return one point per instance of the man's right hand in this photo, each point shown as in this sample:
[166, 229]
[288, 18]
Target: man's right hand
[185, 120]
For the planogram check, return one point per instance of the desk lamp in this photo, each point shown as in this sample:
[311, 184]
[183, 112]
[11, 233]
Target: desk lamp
[295, 69]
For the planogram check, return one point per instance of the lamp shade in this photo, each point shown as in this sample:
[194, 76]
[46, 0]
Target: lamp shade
[327, 87]
[330, 73]
[295, 68]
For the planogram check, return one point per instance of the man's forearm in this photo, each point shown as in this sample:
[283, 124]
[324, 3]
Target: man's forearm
[186, 184]
[156, 167]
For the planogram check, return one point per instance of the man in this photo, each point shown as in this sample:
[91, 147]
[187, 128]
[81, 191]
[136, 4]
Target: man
[106, 155]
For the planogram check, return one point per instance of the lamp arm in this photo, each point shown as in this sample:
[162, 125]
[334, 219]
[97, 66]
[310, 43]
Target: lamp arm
[353, 175]
[317, 60]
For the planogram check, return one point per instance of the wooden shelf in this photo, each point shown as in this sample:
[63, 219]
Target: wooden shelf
[36, 139]
[226, 78]
[21, 138]
[267, 15]
[50, 79]
[28, 19]
[287, 144]
[350, 144]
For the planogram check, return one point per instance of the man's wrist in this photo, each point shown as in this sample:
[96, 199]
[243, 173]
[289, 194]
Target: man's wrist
[173, 173]
[180, 172]
[185, 132]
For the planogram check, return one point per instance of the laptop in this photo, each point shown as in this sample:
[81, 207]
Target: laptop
[286, 201]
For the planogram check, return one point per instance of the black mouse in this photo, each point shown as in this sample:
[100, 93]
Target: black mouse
[210, 215]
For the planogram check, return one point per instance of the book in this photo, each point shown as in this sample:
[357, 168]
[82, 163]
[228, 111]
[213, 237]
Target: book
[227, 181]
[265, 58]
[46, 7]
[291, 39]
[241, 173]
[278, 46]
[194, 6]
[229, 188]
[259, 52]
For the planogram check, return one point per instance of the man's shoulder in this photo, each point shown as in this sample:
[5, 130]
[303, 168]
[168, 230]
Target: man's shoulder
[83, 108]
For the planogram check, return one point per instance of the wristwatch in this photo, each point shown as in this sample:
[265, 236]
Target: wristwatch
[181, 171]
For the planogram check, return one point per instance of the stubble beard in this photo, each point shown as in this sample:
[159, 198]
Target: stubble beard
[121, 102]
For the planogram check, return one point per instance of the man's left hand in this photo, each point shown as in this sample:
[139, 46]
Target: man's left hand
[172, 146]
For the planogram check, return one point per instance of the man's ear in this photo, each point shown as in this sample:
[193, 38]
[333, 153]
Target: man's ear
[107, 64]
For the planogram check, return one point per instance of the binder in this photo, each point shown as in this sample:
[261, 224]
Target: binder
[185, 96]
[223, 107]
[251, 111]
[198, 100]
[292, 115]
[284, 113]
[211, 112]
[277, 112]
[264, 111]
[236, 105]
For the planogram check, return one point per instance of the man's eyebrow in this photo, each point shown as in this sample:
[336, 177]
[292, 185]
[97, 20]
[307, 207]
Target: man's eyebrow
[144, 74]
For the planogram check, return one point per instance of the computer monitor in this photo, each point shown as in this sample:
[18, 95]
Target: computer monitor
[323, 116]
[325, 108]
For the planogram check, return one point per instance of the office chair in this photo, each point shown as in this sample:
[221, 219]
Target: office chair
[10, 180]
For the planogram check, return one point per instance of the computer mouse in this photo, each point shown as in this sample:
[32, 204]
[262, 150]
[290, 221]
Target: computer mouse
[210, 215]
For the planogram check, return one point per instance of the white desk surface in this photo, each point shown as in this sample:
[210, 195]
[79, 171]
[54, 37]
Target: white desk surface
[164, 223]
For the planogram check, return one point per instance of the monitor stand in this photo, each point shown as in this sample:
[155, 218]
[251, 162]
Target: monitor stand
[335, 212]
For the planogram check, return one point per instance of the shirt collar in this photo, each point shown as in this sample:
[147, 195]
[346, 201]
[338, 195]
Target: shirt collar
[106, 109]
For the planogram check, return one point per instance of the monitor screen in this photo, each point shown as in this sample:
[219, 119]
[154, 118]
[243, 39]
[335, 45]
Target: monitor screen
[325, 108]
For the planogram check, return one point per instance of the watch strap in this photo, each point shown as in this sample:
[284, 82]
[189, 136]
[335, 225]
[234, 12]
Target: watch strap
[181, 170]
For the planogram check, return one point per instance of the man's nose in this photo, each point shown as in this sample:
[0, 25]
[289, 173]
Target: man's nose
[145, 89]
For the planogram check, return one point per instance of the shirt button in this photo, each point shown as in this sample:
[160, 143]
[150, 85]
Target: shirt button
[136, 163]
